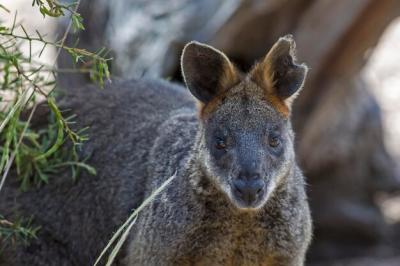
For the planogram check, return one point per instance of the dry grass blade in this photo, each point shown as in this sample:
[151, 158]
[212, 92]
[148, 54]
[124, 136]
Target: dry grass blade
[119, 244]
[19, 103]
[9, 163]
[124, 229]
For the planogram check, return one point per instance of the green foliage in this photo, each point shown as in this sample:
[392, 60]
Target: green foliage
[50, 8]
[21, 231]
[54, 8]
[35, 154]
[43, 151]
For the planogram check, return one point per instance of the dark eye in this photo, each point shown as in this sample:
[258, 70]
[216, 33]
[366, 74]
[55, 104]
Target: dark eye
[220, 144]
[274, 141]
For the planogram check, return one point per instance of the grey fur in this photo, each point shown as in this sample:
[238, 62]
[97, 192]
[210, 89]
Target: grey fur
[142, 131]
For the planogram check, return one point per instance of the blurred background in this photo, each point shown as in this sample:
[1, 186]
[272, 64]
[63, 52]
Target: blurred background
[347, 118]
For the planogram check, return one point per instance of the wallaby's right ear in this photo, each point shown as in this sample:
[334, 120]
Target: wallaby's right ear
[207, 72]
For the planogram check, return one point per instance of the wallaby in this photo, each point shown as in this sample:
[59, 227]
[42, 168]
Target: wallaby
[238, 197]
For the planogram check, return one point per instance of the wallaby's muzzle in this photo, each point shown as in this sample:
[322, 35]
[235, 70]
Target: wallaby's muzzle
[248, 190]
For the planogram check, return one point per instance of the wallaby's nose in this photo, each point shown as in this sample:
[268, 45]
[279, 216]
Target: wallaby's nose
[248, 188]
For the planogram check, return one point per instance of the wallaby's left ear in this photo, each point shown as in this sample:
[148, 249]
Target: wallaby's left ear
[279, 73]
[207, 72]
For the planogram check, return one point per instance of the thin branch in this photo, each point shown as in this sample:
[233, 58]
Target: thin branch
[11, 160]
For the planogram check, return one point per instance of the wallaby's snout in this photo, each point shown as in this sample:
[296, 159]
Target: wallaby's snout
[249, 182]
[248, 189]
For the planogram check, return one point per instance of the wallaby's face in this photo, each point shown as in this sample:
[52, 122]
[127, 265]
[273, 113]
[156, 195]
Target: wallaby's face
[247, 146]
[246, 140]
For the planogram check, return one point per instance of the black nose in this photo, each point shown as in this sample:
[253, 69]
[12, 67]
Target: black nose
[248, 189]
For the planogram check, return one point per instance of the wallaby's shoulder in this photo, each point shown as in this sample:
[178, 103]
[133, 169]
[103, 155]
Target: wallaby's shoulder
[172, 145]
[131, 94]
[123, 121]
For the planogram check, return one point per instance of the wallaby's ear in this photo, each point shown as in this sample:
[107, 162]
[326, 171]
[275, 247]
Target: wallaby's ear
[207, 72]
[279, 73]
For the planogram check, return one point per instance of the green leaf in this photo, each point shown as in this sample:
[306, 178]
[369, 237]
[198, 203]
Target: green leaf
[60, 132]
[77, 22]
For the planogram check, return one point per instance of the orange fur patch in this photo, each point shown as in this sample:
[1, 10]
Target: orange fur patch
[278, 104]
[229, 78]
[262, 76]
[206, 109]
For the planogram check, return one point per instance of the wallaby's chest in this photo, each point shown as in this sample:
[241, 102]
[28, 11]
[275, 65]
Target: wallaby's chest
[226, 242]
[186, 234]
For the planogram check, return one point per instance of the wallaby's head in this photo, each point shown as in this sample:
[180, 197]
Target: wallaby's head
[246, 141]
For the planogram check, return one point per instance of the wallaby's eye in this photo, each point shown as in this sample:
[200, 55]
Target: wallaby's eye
[274, 140]
[220, 144]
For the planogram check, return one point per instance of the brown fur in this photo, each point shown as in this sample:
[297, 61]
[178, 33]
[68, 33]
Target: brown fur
[205, 109]
[265, 72]
[262, 74]
[230, 77]
[277, 103]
